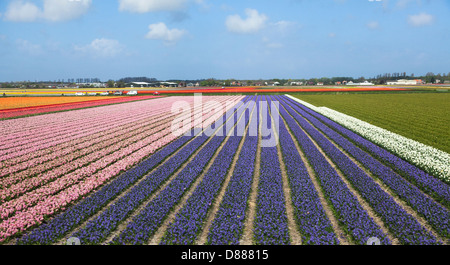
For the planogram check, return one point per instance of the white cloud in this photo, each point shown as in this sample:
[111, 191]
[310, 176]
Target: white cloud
[52, 10]
[18, 11]
[29, 48]
[421, 19]
[226, 7]
[144, 6]
[284, 25]
[373, 25]
[102, 48]
[253, 23]
[404, 3]
[159, 31]
[272, 45]
[59, 10]
[332, 35]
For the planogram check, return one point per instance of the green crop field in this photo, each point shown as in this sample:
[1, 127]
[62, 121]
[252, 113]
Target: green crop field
[421, 117]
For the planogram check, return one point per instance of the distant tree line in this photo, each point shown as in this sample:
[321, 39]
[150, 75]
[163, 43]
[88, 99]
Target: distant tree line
[137, 79]
[380, 79]
[430, 77]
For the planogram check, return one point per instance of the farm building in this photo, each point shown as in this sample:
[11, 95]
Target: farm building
[140, 84]
[365, 83]
[405, 82]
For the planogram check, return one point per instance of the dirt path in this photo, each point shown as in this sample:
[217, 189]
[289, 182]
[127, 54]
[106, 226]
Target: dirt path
[141, 207]
[123, 225]
[343, 238]
[62, 241]
[294, 234]
[211, 215]
[157, 237]
[388, 190]
[247, 234]
[361, 201]
[396, 198]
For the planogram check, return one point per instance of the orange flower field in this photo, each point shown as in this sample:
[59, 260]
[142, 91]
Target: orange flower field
[23, 102]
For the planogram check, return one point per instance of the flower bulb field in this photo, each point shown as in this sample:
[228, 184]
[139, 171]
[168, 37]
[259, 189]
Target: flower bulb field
[217, 170]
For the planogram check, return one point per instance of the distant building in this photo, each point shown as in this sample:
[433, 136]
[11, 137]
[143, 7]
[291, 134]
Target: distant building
[140, 84]
[405, 82]
[168, 84]
[365, 83]
[320, 84]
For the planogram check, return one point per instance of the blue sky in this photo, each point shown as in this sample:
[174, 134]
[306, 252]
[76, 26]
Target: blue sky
[245, 39]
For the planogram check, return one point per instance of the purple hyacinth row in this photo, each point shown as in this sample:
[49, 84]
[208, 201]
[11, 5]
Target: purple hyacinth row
[315, 227]
[188, 222]
[228, 224]
[270, 227]
[66, 221]
[427, 183]
[403, 225]
[98, 229]
[148, 221]
[355, 220]
[435, 214]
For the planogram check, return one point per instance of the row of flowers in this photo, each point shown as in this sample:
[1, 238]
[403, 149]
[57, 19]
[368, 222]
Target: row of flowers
[348, 211]
[434, 213]
[63, 223]
[31, 190]
[271, 224]
[120, 121]
[187, 224]
[75, 125]
[314, 225]
[432, 160]
[78, 157]
[432, 186]
[51, 125]
[404, 226]
[35, 214]
[228, 224]
[46, 158]
[44, 137]
[69, 106]
[99, 228]
[191, 217]
[60, 179]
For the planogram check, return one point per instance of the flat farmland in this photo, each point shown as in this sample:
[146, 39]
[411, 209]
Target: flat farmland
[117, 174]
[424, 117]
